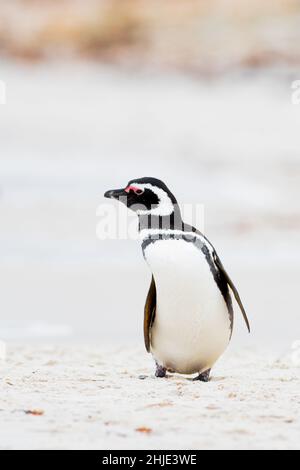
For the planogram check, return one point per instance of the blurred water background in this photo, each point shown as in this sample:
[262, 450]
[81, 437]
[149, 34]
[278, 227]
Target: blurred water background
[196, 93]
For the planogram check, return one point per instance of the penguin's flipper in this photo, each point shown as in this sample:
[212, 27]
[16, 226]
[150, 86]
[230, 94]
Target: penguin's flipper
[149, 313]
[233, 288]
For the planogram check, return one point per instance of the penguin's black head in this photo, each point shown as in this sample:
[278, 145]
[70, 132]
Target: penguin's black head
[145, 196]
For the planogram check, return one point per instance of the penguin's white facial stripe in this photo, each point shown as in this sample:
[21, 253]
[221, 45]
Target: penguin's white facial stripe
[165, 206]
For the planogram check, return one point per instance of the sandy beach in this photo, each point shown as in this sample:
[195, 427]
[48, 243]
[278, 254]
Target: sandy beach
[93, 398]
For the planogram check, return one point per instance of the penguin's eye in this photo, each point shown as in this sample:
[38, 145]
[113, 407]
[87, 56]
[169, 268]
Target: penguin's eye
[135, 190]
[139, 191]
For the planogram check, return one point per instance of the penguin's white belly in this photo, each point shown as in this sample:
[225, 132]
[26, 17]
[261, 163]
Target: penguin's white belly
[192, 325]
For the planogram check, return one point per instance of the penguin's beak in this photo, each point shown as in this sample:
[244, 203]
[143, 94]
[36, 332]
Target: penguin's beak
[115, 193]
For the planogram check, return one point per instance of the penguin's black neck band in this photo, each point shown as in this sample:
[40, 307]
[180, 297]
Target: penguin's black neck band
[166, 222]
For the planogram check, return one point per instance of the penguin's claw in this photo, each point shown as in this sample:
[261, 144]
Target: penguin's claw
[204, 377]
[160, 371]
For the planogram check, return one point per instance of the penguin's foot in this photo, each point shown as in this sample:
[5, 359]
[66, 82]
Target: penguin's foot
[160, 371]
[204, 377]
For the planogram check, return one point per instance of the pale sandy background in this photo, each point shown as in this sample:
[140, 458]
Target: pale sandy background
[69, 132]
[218, 125]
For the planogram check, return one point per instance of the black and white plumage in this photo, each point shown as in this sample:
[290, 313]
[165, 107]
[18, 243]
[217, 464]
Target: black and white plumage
[188, 319]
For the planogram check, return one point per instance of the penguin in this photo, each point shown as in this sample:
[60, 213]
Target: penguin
[188, 315]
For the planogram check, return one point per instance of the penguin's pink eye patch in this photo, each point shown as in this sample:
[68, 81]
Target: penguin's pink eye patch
[134, 189]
